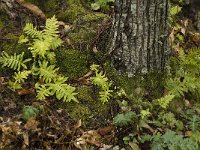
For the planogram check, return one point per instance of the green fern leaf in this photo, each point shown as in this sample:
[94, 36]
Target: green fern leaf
[45, 72]
[14, 85]
[51, 57]
[14, 61]
[100, 80]
[40, 48]
[164, 101]
[32, 31]
[124, 119]
[51, 28]
[62, 90]
[21, 76]
[105, 95]
[42, 91]
[55, 42]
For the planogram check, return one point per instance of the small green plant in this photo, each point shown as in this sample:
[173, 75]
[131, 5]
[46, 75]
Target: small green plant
[30, 111]
[126, 117]
[170, 141]
[164, 101]
[192, 118]
[42, 45]
[186, 79]
[101, 4]
[123, 119]
[102, 81]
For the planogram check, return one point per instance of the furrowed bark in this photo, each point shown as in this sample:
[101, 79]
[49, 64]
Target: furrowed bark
[139, 41]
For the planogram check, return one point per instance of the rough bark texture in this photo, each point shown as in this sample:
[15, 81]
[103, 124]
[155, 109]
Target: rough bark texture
[139, 35]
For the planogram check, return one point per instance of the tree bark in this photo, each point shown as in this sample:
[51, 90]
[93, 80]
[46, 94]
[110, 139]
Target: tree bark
[139, 41]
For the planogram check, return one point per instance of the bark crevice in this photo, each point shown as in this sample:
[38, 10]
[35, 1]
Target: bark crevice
[139, 36]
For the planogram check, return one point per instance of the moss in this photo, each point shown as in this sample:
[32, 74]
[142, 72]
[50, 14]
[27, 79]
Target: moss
[88, 109]
[85, 29]
[84, 35]
[71, 62]
[138, 87]
[95, 17]
[79, 111]
[65, 10]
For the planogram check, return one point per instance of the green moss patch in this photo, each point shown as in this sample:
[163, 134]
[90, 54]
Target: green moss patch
[71, 62]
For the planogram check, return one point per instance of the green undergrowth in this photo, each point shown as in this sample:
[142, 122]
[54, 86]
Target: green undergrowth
[72, 63]
[89, 109]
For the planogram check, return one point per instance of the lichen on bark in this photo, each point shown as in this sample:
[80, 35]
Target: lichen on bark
[139, 38]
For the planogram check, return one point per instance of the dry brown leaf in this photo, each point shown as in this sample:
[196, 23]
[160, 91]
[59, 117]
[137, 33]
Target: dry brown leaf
[25, 91]
[31, 123]
[88, 138]
[105, 131]
[78, 124]
[26, 138]
[145, 125]
[106, 147]
[11, 105]
[84, 81]
[46, 144]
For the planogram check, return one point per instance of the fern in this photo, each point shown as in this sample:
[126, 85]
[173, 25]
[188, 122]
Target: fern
[170, 141]
[42, 91]
[21, 76]
[124, 119]
[14, 85]
[194, 123]
[14, 62]
[164, 101]
[41, 44]
[62, 90]
[32, 31]
[51, 33]
[102, 81]
[51, 57]
[39, 48]
[51, 28]
[192, 117]
[44, 40]
[105, 95]
[45, 72]
[187, 74]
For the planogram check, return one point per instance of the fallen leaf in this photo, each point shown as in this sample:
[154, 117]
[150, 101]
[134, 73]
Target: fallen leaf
[25, 91]
[31, 123]
[26, 138]
[105, 131]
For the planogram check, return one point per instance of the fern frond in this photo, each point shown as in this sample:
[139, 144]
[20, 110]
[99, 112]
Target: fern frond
[21, 76]
[45, 72]
[51, 28]
[14, 61]
[55, 42]
[32, 31]
[14, 85]
[164, 101]
[100, 80]
[105, 95]
[62, 90]
[42, 91]
[51, 57]
[40, 47]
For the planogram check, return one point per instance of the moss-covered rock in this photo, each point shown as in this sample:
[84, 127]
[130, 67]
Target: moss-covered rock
[89, 109]
[71, 62]
[86, 29]
[65, 10]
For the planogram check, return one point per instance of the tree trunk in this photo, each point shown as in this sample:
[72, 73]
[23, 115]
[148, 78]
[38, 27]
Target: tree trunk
[139, 41]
